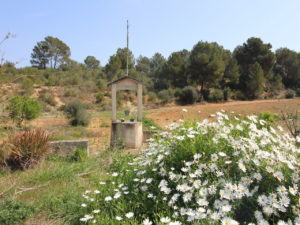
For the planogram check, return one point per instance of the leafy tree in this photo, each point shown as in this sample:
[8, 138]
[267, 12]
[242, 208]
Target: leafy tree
[231, 74]
[288, 66]
[39, 55]
[175, 69]
[254, 81]
[122, 54]
[23, 108]
[207, 64]
[143, 64]
[113, 67]
[156, 70]
[91, 62]
[254, 50]
[51, 51]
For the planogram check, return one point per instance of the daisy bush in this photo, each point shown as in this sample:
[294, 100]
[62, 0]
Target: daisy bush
[229, 171]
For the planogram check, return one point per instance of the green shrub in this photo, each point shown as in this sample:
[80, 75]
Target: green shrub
[298, 92]
[99, 97]
[77, 113]
[27, 148]
[227, 93]
[165, 96]
[14, 213]
[268, 116]
[23, 108]
[152, 96]
[177, 92]
[149, 124]
[47, 97]
[101, 84]
[225, 172]
[79, 155]
[69, 93]
[216, 96]
[27, 86]
[188, 95]
[290, 93]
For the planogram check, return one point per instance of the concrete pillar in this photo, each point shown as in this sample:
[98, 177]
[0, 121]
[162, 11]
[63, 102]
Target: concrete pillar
[114, 102]
[140, 102]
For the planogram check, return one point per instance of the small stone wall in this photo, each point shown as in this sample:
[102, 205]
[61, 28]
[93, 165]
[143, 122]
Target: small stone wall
[68, 148]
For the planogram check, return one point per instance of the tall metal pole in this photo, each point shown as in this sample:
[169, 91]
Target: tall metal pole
[127, 48]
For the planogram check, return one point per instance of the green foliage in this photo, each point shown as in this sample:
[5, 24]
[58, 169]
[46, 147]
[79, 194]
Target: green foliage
[216, 96]
[27, 148]
[288, 66]
[255, 51]
[165, 96]
[99, 97]
[149, 124]
[290, 93]
[80, 155]
[14, 213]
[101, 84]
[204, 164]
[47, 97]
[188, 95]
[23, 108]
[207, 64]
[27, 86]
[69, 93]
[91, 62]
[253, 83]
[77, 113]
[152, 96]
[268, 116]
[51, 51]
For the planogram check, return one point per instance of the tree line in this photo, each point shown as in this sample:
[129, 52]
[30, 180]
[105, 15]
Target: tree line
[208, 70]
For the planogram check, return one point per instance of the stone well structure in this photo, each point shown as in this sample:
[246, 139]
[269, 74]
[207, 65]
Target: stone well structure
[128, 133]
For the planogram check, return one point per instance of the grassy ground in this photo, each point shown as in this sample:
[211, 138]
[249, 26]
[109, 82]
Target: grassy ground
[51, 193]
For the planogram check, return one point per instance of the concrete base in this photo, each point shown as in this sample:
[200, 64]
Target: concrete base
[129, 134]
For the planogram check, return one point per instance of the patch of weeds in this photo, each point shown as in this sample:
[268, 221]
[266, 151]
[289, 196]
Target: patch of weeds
[12, 212]
[148, 124]
[268, 116]
[80, 155]
[104, 124]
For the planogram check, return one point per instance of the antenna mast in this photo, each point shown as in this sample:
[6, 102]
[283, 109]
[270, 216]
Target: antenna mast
[127, 49]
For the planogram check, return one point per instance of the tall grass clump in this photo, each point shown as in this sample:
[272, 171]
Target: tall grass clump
[231, 171]
[25, 149]
[77, 113]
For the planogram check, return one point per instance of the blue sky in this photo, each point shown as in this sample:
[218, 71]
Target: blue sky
[98, 27]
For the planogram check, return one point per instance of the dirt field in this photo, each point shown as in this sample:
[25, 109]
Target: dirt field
[98, 132]
[166, 115]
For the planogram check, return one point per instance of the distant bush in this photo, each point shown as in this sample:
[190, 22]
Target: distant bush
[298, 92]
[152, 96]
[27, 86]
[101, 84]
[26, 149]
[227, 93]
[48, 98]
[23, 108]
[69, 93]
[216, 96]
[99, 97]
[77, 113]
[290, 93]
[188, 95]
[177, 92]
[13, 213]
[268, 116]
[165, 96]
